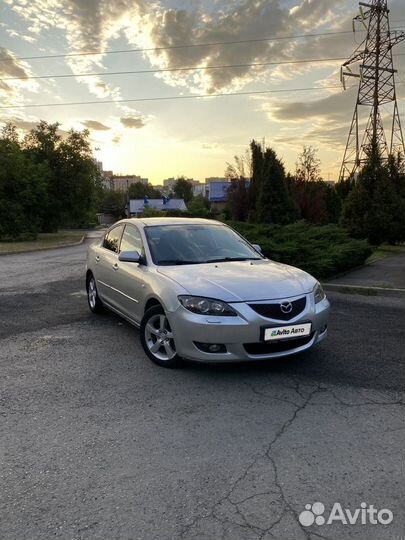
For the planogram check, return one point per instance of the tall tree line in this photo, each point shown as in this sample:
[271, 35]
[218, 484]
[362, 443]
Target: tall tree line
[47, 180]
[375, 201]
[262, 191]
[370, 206]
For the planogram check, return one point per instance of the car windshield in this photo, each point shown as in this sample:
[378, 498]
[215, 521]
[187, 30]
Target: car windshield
[197, 244]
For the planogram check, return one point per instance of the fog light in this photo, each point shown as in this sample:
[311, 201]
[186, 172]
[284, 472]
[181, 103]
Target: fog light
[323, 329]
[213, 348]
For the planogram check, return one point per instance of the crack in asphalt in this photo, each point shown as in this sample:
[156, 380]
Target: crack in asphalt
[366, 403]
[271, 458]
[287, 508]
[259, 532]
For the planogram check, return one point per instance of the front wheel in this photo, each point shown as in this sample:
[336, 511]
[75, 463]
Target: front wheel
[157, 338]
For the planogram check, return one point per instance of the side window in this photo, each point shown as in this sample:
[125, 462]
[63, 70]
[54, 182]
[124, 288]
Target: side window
[131, 240]
[112, 239]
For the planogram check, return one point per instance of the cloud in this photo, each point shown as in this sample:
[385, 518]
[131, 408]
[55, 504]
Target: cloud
[27, 124]
[12, 33]
[238, 21]
[10, 66]
[95, 125]
[91, 24]
[134, 122]
[208, 146]
[20, 123]
[88, 25]
[11, 92]
[335, 107]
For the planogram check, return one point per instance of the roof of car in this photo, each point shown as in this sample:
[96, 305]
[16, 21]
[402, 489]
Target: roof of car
[172, 221]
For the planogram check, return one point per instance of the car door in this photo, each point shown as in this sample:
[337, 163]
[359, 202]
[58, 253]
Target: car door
[130, 277]
[107, 266]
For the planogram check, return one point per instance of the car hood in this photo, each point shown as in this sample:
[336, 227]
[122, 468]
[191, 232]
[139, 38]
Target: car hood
[241, 281]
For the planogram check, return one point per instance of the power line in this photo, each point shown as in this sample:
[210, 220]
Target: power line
[183, 46]
[174, 98]
[170, 98]
[161, 70]
[164, 70]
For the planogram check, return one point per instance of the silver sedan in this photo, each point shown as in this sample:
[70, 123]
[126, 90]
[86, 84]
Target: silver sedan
[199, 291]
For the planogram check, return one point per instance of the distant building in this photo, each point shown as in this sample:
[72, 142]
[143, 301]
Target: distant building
[137, 206]
[169, 183]
[199, 188]
[123, 182]
[99, 165]
[214, 179]
[218, 194]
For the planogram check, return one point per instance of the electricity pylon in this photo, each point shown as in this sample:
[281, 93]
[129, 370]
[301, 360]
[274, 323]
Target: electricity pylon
[376, 88]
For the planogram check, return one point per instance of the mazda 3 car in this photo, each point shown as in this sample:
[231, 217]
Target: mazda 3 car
[198, 290]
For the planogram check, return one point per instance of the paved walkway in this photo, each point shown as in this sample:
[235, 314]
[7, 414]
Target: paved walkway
[385, 273]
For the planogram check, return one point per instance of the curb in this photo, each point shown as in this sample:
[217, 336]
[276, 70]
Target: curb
[20, 252]
[363, 290]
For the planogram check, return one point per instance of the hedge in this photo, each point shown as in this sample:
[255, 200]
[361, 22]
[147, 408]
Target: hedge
[323, 251]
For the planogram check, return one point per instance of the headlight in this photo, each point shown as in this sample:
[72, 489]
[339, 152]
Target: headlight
[206, 306]
[319, 293]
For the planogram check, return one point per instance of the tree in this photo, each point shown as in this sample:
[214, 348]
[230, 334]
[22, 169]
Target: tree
[23, 185]
[199, 206]
[344, 187]
[113, 202]
[237, 203]
[239, 173]
[396, 167]
[74, 180]
[372, 208]
[259, 190]
[257, 174]
[81, 178]
[41, 144]
[139, 190]
[317, 202]
[273, 203]
[183, 189]
[307, 168]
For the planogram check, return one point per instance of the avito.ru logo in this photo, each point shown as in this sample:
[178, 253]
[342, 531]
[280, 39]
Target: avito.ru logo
[314, 513]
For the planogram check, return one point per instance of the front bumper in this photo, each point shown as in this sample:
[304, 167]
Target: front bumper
[241, 335]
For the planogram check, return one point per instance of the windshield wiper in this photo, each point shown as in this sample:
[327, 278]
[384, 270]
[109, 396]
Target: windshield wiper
[232, 259]
[170, 262]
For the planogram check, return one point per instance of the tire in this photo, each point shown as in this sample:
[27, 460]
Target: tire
[157, 339]
[93, 299]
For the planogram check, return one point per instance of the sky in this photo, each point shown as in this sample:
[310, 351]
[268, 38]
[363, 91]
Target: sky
[195, 137]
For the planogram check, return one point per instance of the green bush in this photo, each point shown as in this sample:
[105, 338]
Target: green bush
[323, 251]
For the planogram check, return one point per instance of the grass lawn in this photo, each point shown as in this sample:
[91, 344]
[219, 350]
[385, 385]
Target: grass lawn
[44, 241]
[384, 251]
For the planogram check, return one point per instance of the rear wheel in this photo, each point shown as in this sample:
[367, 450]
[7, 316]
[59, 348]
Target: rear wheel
[157, 338]
[93, 298]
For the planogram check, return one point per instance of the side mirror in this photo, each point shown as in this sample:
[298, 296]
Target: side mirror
[258, 248]
[129, 256]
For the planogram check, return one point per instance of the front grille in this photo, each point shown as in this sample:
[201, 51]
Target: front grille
[274, 311]
[276, 346]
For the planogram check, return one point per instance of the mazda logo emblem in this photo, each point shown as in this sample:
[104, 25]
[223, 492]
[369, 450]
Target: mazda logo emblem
[287, 307]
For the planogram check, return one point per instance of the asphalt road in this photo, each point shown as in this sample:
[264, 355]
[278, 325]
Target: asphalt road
[98, 443]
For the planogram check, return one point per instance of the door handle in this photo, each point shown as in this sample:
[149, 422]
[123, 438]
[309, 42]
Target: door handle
[115, 267]
[97, 259]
